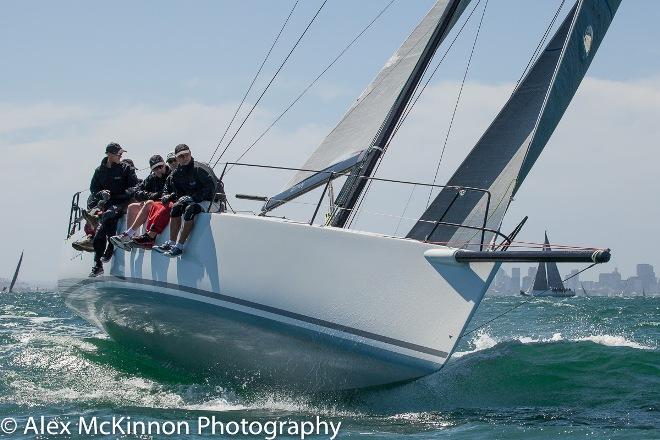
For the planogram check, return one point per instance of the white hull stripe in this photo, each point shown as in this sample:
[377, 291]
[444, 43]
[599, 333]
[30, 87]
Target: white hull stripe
[265, 308]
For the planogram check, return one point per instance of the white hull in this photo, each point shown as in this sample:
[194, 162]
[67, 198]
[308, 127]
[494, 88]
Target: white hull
[284, 303]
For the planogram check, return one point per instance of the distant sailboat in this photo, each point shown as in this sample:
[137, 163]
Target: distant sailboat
[548, 281]
[584, 290]
[18, 267]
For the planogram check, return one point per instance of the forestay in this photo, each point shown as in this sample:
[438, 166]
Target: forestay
[504, 155]
[356, 131]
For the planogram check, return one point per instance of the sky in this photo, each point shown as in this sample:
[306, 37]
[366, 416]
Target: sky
[76, 75]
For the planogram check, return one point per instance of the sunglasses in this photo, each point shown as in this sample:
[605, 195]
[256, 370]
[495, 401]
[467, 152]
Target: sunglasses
[183, 155]
[159, 167]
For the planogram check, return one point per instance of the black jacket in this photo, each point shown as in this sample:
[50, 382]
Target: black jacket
[150, 188]
[191, 180]
[117, 179]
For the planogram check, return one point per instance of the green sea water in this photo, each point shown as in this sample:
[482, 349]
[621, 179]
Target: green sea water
[571, 368]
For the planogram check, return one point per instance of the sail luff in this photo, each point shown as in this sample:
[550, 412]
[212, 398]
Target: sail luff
[18, 267]
[378, 108]
[503, 156]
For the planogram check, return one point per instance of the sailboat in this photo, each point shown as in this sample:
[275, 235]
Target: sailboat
[15, 277]
[547, 281]
[315, 305]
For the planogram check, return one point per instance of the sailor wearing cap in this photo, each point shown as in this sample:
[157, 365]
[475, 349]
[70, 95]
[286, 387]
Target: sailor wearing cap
[146, 193]
[192, 187]
[110, 184]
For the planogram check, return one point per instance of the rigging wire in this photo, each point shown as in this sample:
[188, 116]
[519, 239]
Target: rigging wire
[309, 25]
[311, 84]
[458, 99]
[254, 80]
[540, 45]
[521, 304]
[411, 105]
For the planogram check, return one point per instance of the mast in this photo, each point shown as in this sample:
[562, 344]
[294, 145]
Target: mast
[356, 181]
[18, 267]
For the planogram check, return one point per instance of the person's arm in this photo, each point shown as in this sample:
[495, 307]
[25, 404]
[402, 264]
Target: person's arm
[169, 191]
[95, 185]
[131, 181]
[207, 186]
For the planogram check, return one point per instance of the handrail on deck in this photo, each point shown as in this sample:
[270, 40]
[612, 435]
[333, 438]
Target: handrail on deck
[334, 175]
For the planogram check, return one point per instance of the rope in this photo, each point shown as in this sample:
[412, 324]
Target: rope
[263, 63]
[458, 99]
[271, 81]
[521, 304]
[311, 84]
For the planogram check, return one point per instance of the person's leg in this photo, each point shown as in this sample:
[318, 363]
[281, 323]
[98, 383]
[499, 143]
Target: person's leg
[142, 216]
[109, 222]
[132, 212]
[189, 221]
[99, 243]
[175, 225]
[158, 219]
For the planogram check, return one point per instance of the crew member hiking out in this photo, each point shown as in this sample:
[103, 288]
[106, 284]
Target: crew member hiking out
[146, 193]
[111, 182]
[192, 189]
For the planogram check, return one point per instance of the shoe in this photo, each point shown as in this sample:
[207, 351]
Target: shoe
[163, 248]
[143, 241]
[106, 257]
[90, 218]
[122, 241]
[84, 245]
[97, 271]
[174, 252]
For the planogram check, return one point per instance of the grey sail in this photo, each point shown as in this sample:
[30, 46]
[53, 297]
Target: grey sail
[387, 94]
[541, 279]
[506, 152]
[554, 278]
[18, 267]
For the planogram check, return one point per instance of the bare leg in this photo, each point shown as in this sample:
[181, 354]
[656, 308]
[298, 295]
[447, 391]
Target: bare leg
[187, 229]
[175, 225]
[132, 212]
[142, 216]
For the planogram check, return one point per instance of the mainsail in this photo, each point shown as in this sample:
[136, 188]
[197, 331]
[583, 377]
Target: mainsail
[18, 267]
[507, 151]
[370, 120]
[554, 278]
[541, 279]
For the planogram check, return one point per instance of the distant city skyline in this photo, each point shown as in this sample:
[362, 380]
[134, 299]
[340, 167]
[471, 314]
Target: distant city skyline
[645, 281]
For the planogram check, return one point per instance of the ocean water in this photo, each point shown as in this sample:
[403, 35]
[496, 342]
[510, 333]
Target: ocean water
[570, 368]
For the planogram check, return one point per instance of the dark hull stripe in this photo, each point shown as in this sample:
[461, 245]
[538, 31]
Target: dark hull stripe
[265, 308]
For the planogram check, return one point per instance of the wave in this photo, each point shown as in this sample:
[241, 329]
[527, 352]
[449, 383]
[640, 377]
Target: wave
[483, 341]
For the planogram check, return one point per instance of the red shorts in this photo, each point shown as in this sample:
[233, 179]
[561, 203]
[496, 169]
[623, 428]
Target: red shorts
[159, 217]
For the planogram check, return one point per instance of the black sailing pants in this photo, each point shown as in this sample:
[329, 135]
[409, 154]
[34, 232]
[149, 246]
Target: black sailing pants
[106, 229]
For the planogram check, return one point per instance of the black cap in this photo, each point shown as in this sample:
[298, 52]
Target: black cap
[114, 148]
[181, 147]
[171, 157]
[155, 160]
[129, 162]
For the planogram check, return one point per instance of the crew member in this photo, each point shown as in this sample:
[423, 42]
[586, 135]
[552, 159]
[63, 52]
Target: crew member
[147, 192]
[192, 189]
[111, 181]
